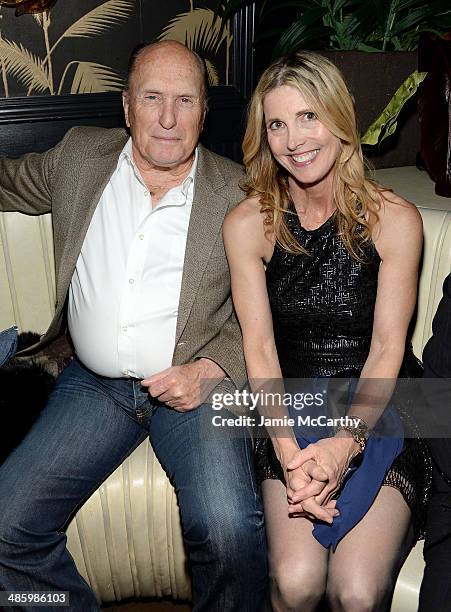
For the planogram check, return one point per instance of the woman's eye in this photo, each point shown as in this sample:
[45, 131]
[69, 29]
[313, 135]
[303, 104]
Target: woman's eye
[275, 125]
[310, 116]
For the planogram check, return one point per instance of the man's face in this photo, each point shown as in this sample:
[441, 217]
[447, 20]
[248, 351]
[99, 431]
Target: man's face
[164, 108]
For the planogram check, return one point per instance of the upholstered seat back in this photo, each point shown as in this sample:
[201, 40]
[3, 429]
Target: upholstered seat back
[126, 539]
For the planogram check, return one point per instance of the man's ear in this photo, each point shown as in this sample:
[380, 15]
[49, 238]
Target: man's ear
[126, 105]
[202, 121]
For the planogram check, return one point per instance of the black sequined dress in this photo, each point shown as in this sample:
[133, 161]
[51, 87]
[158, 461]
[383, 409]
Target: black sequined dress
[322, 307]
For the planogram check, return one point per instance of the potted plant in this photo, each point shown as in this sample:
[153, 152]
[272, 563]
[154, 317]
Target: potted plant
[373, 42]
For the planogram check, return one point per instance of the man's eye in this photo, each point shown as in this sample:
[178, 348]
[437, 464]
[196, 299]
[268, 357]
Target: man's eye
[153, 99]
[185, 101]
[275, 125]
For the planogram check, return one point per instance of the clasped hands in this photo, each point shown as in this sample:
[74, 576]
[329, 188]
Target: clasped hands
[314, 474]
[186, 386]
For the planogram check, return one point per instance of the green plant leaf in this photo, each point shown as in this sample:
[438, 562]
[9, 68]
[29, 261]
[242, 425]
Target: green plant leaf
[358, 22]
[199, 29]
[350, 24]
[21, 64]
[309, 27]
[422, 15]
[90, 77]
[338, 5]
[404, 5]
[367, 48]
[269, 34]
[386, 123]
[275, 7]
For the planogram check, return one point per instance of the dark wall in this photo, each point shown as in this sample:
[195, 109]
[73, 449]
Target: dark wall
[83, 46]
[38, 121]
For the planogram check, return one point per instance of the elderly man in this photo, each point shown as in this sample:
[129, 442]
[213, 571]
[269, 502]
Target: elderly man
[143, 284]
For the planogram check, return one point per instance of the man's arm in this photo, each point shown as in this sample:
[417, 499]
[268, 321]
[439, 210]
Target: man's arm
[225, 350]
[26, 182]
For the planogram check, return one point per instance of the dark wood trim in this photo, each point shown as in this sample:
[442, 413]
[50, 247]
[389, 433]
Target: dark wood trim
[78, 107]
[243, 60]
[38, 123]
[60, 108]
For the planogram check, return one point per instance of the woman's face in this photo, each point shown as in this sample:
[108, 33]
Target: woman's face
[297, 139]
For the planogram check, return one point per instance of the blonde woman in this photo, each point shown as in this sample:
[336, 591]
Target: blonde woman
[324, 271]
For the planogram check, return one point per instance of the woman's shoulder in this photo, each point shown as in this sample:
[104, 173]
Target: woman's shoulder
[397, 210]
[399, 220]
[245, 216]
[244, 228]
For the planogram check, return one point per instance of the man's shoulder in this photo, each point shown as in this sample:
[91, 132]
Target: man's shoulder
[91, 137]
[224, 175]
[227, 167]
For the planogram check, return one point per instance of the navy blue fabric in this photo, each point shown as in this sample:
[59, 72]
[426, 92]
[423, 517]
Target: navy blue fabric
[361, 483]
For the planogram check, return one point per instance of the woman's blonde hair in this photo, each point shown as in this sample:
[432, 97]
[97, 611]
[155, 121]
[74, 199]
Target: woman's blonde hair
[323, 88]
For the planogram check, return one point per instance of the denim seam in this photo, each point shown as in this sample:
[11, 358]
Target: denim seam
[250, 464]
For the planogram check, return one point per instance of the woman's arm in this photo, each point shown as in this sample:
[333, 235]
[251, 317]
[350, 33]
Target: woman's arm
[247, 249]
[398, 240]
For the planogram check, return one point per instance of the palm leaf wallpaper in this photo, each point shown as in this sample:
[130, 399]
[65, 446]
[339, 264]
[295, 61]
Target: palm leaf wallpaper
[83, 47]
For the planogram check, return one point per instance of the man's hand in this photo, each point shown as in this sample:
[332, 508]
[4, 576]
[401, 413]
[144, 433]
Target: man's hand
[186, 386]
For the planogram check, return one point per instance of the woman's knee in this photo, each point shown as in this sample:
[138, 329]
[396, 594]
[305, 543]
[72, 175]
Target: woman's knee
[296, 585]
[356, 594]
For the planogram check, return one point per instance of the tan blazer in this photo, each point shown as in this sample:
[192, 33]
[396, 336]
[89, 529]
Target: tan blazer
[68, 181]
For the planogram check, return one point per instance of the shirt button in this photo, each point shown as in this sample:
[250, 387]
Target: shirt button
[125, 372]
[124, 328]
[141, 236]
[131, 281]
[146, 193]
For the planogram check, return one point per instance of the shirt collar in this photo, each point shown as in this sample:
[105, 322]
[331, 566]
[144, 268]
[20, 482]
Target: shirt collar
[180, 192]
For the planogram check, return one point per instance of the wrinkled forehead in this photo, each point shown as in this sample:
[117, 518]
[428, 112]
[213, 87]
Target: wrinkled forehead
[167, 72]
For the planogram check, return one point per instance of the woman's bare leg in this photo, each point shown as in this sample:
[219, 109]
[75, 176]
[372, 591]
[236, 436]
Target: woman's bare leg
[297, 562]
[364, 567]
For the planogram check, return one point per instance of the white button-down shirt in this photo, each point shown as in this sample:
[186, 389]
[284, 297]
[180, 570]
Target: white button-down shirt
[124, 293]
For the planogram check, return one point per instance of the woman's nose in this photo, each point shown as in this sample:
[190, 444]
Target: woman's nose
[296, 138]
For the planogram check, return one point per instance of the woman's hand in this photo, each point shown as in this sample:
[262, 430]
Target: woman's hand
[311, 479]
[333, 455]
[316, 482]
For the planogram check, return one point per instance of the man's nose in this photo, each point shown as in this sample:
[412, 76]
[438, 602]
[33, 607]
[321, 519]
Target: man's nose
[168, 117]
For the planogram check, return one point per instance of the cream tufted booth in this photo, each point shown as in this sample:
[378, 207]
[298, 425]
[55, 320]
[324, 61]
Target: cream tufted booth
[126, 539]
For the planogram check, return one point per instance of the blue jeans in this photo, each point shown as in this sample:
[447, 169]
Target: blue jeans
[88, 428]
